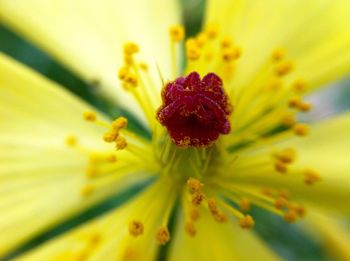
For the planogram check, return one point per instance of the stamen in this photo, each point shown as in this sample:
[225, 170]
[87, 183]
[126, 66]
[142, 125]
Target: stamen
[311, 177]
[130, 48]
[89, 116]
[120, 143]
[71, 141]
[247, 222]
[162, 235]
[177, 33]
[278, 54]
[281, 167]
[301, 129]
[290, 216]
[190, 229]
[194, 185]
[135, 228]
[281, 203]
[245, 205]
[284, 68]
[193, 52]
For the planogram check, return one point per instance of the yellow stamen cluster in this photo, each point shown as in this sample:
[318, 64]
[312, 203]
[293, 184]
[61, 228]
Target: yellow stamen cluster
[126, 73]
[289, 210]
[214, 210]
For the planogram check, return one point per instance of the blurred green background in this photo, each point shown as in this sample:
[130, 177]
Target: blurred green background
[287, 240]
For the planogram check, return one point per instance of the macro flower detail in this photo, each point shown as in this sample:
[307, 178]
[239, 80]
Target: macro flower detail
[195, 111]
[221, 138]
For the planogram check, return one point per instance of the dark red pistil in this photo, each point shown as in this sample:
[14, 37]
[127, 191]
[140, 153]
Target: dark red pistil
[194, 111]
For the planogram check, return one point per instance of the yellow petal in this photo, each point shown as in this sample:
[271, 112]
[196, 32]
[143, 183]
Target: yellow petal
[326, 151]
[40, 177]
[108, 237]
[331, 232]
[218, 241]
[87, 36]
[314, 34]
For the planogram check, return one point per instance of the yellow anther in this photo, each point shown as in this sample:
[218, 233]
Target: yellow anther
[289, 119]
[86, 190]
[284, 68]
[130, 48]
[135, 228]
[273, 85]
[281, 167]
[128, 60]
[212, 205]
[278, 54]
[190, 229]
[144, 66]
[244, 204]
[110, 136]
[290, 216]
[119, 123]
[162, 235]
[194, 185]
[300, 210]
[177, 33]
[287, 155]
[197, 198]
[281, 202]
[71, 141]
[120, 143]
[201, 39]
[294, 102]
[304, 106]
[299, 85]
[89, 115]
[284, 193]
[267, 192]
[194, 214]
[226, 42]
[192, 49]
[231, 53]
[94, 238]
[220, 217]
[212, 31]
[123, 72]
[301, 129]
[111, 158]
[247, 222]
[311, 177]
[91, 172]
[131, 80]
[209, 56]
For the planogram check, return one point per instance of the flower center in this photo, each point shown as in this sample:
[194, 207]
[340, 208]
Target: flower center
[195, 111]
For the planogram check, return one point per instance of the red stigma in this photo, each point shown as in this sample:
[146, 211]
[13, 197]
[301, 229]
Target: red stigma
[194, 111]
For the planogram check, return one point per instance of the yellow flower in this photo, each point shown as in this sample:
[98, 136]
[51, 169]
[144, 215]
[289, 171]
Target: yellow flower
[224, 142]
